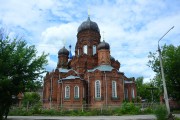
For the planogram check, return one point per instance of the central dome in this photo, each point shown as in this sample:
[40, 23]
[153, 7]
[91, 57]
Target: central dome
[88, 24]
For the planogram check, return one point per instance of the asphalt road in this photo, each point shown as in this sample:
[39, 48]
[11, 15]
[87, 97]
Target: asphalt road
[133, 117]
[129, 117]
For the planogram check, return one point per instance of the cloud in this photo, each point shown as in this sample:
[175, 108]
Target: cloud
[132, 28]
[54, 38]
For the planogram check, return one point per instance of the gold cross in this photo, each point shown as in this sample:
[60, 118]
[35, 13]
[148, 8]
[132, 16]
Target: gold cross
[64, 41]
[88, 12]
[103, 35]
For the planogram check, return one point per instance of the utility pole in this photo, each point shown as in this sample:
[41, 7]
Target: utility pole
[162, 73]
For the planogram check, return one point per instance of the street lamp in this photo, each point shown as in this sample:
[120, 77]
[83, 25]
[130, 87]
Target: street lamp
[162, 73]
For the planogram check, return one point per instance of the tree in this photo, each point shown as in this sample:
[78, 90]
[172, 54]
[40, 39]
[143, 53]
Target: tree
[20, 67]
[171, 65]
[139, 84]
[144, 90]
[30, 99]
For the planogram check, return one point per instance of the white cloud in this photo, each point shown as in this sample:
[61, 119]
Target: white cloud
[54, 38]
[52, 64]
[132, 28]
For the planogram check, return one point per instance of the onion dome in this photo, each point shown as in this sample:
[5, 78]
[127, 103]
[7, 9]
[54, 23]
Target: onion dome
[103, 45]
[70, 54]
[88, 25]
[112, 58]
[63, 51]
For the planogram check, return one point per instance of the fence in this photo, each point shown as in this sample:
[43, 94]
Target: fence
[90, 107]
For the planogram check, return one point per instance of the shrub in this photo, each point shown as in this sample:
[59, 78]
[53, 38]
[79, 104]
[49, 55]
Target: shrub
[176, 118]
[37, 108]
[126, 108]
[129, 108]
[147, 110]
[161, 112]
[116, 111]
[20, 112]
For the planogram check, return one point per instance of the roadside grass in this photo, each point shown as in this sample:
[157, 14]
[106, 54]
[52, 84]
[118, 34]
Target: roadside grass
[124, 109]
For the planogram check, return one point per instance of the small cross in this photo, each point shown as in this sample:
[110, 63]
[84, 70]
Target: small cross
[88, 12]
[64, 42]
[103, 35]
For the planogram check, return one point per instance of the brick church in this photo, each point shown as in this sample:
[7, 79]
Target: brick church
[92, 76]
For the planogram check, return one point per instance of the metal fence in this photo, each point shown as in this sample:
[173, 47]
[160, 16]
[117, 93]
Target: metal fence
[90, 107]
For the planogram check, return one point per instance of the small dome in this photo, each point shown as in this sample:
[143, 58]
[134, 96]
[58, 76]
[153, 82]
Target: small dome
[63, 51]
[103, 45]
[88, 24]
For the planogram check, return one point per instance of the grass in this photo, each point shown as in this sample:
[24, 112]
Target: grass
[125, 109]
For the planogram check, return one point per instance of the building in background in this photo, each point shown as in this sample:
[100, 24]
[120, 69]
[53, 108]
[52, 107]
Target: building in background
[90, 77]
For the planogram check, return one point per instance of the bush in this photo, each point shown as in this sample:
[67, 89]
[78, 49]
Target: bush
[126, 108]
[129, 108]
[116, 111]
[36, 109]
[147, 110]
[21, 111]
[176, 118]
[161, 112]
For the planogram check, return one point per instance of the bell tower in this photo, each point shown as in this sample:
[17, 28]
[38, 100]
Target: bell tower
[88, 37]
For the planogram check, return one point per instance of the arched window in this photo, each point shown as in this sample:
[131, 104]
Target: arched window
[67, 92]
[76, 92]
[97, 89]
[94, 49]
[132, 92]
[126, 93]
[114, 89]
[85, 49]
[78, 52]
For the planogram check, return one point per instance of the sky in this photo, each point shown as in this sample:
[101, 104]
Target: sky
[131, 27]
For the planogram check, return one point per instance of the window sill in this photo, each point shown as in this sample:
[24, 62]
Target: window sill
[66, 98]
[98, 99]
[115, 98]
[76, 99]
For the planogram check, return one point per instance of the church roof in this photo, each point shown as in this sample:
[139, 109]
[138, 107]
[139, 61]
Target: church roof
[70, 77]
[88, 24]
[102, 68]
[112, 58]
[128, 82]
[64, 70]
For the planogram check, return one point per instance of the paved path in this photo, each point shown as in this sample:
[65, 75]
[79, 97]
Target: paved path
[130, 117]
[133, 117]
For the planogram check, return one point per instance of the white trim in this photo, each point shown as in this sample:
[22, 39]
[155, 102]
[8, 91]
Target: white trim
[94, 49]
[67, 95]
[114, 89]
[78, 52]
[96, 91]
[125, 93]
[76, 96]
[132, 93]
[85, 49]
